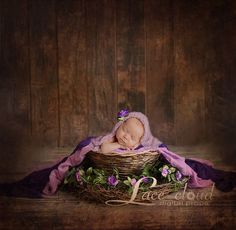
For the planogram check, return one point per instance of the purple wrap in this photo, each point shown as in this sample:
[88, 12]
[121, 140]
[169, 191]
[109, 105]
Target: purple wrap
[148, 142]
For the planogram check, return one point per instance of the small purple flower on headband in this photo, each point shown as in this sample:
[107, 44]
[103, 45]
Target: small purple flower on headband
[122, 114]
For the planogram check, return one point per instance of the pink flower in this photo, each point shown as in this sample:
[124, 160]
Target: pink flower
[164, 172]
[178, 175]
[78, 176]
[112, 180]
[133, 182]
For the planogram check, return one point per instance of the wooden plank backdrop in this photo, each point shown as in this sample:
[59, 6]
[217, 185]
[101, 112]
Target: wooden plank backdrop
[189, 75]
[100, 48]
[72, 81]
[130, 55]
[160, 100]
[14, 65]
[67, 67]
[43, 70]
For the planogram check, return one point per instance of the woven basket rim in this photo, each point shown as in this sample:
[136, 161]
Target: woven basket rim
[127, 154]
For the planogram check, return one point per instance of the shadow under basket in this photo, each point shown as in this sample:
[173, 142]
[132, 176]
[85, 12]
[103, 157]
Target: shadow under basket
[126, 163]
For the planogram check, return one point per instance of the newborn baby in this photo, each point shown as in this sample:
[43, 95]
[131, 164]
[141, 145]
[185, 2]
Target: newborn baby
[127, 136]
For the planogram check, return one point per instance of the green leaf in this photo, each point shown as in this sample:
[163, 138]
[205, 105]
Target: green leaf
[126, 182]
[81, 171]
[168, 177]
[146, 170]
[103, 181]
[130, 190]
[89, 171]
[96, 171]
[100, 179]
[102, 172]
[97, 180]
[172, 169]
[116, 172]
[88, 178]
[166, 166]
[173, 177]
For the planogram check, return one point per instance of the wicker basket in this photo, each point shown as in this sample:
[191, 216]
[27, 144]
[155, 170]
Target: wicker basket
[126, 163]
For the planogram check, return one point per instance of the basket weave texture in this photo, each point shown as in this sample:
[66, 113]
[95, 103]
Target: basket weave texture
[126, 163]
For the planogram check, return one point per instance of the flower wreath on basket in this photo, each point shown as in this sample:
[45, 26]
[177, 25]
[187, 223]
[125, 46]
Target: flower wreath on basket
[114, 176]
[100, 185]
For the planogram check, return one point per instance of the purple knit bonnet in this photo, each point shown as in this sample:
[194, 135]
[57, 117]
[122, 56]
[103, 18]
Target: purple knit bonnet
[148, 141]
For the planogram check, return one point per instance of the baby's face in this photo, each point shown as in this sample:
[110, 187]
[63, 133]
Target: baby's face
[129, 134]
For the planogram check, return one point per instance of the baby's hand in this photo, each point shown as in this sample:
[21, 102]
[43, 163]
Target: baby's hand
[108, 147]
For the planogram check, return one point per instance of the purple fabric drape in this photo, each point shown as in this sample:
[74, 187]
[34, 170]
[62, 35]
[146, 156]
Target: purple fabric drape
[33, 184]
[224, 181]
[46, 181]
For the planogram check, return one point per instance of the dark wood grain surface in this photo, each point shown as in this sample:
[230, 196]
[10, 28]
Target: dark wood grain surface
[68, 213]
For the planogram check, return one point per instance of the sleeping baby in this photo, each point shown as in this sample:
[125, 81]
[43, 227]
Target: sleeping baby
[127, 136]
